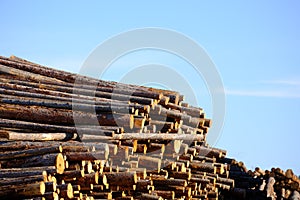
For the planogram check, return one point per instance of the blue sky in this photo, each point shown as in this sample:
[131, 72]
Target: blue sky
[254, 44]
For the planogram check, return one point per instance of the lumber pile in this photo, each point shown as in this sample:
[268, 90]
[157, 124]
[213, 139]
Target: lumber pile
[67, 136]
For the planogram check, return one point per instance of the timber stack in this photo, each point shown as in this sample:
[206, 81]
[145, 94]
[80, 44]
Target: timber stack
[68, 136]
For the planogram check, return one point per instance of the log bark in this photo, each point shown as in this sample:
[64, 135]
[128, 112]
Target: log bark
[169, 182]
[121, 178]
[164, 194]
[30, 152]
[91, 156]
[53, 159]
[99, 96]
[149, 163]
[63, 116]
[122, 108]
[86, 89]
[65, 191]
[26, 75]
[23, 190]
[204, 167]
[22, 180]
[72, 78]
[155, 136]
[192, 111]
[150, 197]
[49, 127]
[25, 172]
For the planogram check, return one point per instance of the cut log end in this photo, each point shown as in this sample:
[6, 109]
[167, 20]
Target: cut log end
[60, 164]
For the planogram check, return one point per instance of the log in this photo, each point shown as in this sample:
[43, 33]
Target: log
[155, 136]
[53, 159]
[90, 156]
[104, 108]
[208, 152]
[11, 135]
[149, 163]
[9, 89]
[80, 94]
[62, 117]
[204, 167]
[24, 145]
[86, 89]
[170, 182]
[51, 99]
[192, 111]
[270, 188]
[150, 197]
[142, 185]
[25, 75]
[49, 127]
[51, 196]
[70, 78]
[65, 191]
[175, 138]
[180, 175]
[22, 180]
[30, 152]
[121, 178]
[23, 190]
[102, 195]
[164, 194]
[25, 172]
[70, 174]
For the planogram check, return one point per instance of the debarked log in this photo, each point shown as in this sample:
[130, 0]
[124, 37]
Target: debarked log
[15, 136]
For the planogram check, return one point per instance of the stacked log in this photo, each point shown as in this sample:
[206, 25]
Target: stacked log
[261, 184]
[67, 136]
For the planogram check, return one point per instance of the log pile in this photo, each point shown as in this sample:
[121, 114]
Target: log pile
[67, 136]
[259, 184]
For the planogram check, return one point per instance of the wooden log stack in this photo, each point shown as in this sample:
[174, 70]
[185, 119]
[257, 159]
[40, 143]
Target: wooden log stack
[67, 136]
[259, 184]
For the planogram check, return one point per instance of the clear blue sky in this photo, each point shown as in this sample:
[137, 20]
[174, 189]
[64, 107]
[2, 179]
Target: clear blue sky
[254, 44]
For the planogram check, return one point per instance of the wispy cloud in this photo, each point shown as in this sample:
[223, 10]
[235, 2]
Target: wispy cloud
[269, 88]
[282, 82]
[263, 93]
